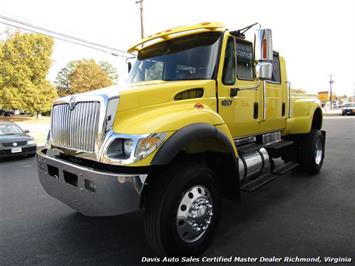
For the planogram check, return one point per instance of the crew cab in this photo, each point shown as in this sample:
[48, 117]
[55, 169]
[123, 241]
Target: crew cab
[206, 114]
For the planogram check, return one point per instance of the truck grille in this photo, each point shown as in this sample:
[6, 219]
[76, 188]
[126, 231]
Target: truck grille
[77, 128]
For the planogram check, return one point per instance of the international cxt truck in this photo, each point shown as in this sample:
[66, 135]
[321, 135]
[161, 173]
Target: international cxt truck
[206, 114]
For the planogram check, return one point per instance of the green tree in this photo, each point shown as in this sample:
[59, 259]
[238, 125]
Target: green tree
[88, 76]
[84, 75]
[25, 60]
[41, 97]
[110, 70]
[62, 81]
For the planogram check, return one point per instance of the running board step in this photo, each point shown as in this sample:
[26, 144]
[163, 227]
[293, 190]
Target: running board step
[257, 183]
[279, 145]
[283, 169]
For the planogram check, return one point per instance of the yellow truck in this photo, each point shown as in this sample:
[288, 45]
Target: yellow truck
[205, 115]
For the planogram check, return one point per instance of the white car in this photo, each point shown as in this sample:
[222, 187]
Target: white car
[348, 109]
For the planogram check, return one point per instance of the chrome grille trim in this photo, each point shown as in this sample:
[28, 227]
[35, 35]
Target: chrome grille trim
[75, 129]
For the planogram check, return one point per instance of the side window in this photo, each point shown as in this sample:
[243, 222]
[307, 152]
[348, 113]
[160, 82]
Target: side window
[276, 76]
[149, 70]
[155, 71]
[228, 77]
[245, 67]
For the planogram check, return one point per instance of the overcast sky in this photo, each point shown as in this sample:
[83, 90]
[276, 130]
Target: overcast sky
[316, 37]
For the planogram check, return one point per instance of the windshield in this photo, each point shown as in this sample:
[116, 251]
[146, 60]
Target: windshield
[349, 105]
[10, 129]
[186, 58]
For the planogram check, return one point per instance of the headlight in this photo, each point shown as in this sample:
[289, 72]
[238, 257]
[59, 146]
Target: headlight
[149, 144]
[128, 146]
[126, 149]
[120, 149]
[31, 142]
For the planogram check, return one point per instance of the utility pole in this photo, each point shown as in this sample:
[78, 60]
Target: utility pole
[140, 2]
[331, 81]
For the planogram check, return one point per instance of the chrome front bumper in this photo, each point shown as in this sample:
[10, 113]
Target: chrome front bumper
[89, 191]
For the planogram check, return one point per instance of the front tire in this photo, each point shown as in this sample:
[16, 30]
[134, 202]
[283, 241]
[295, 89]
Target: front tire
[182, 209]
[312, 152]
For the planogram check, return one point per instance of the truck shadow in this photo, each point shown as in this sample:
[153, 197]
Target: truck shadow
[120, 239]
[115, 240]
[242, 221]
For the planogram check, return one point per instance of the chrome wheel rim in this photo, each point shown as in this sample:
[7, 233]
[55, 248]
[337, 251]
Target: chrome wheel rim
[194, 214]
[318, 152]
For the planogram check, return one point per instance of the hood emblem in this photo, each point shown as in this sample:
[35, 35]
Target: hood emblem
[14, 144]
[72, 103]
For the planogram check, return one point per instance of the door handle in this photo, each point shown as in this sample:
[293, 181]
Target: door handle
[234, 92]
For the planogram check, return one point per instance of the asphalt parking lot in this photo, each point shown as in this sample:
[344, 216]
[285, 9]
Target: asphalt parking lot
[295, 215]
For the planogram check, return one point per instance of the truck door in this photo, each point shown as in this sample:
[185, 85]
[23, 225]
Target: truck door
[239, 95]
[274, 114]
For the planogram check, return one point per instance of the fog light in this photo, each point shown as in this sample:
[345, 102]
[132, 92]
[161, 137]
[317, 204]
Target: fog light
[121, 179]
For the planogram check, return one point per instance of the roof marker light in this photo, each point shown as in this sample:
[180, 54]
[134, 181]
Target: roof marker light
[199, 106]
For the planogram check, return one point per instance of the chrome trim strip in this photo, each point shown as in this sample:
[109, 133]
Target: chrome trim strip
[261, 133]
[243, 141]
[251, 87]
[270, 138]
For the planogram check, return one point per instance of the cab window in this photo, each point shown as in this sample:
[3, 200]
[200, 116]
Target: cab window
[276, 76]
[245, 67]
[228, 77]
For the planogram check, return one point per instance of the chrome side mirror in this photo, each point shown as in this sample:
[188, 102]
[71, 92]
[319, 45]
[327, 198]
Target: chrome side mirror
[264, 70]
[263, 53]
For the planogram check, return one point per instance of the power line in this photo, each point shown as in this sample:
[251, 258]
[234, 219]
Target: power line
[63, 37]
[58, 38]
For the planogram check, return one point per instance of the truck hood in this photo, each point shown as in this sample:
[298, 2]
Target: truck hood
[138, 95]
[141, 94]
[135, 100]
[155, 92]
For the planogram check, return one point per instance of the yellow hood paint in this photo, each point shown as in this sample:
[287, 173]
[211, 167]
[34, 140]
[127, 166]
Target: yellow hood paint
[149, 107]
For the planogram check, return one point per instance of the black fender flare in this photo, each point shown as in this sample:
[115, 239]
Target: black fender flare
[186, 135]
